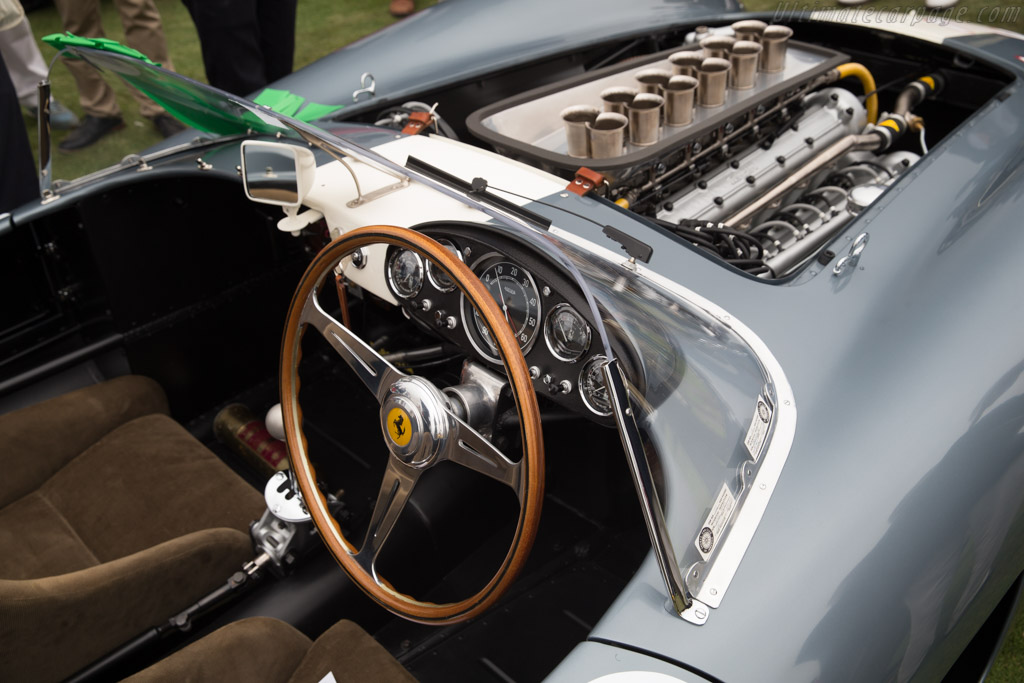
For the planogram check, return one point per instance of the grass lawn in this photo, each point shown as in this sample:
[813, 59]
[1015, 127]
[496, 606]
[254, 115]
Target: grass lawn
[324, 25]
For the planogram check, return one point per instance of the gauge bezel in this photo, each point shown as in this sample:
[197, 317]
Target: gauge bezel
[395, 253]
[551, 344]
[597, 358]
[471, 321]
[431, 277]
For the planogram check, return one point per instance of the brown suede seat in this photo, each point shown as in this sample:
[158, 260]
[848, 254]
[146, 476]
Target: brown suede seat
[271, 651]
[113, 518]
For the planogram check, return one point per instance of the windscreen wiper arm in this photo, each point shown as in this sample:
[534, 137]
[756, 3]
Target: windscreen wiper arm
[477, 189]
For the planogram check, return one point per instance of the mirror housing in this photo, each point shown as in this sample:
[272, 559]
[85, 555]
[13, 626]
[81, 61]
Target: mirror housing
[277, 173]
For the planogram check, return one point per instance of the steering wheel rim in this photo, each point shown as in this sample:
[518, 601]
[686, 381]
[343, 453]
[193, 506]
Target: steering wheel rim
[433, 434]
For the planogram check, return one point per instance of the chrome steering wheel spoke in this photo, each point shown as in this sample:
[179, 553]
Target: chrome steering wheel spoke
[372, 368]
[469, 448]
[395, 490]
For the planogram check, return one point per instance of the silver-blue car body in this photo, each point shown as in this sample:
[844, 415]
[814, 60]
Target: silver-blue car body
[828, 447]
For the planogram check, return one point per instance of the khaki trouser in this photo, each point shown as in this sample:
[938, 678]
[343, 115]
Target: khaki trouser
[143, 31]
[24, 61]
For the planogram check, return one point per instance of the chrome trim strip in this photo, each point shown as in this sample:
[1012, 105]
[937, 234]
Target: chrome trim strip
[712, 584]
[142, 162]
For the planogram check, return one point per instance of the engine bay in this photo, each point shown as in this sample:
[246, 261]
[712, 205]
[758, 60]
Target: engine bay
[754, 143]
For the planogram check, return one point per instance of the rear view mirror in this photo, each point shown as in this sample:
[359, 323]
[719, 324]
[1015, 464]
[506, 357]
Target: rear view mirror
[277, 173]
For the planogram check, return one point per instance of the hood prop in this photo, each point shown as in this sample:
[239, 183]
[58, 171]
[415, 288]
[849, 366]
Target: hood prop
[45, 160]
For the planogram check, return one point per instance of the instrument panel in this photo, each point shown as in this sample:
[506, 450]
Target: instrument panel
[541, 306]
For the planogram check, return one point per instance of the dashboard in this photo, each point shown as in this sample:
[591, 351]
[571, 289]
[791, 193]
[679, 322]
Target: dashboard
[546, 312]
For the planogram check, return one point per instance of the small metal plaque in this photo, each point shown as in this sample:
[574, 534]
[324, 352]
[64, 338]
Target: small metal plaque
[712, 530]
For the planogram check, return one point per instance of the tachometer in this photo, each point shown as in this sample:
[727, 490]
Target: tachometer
[566, 333]
[516, 293]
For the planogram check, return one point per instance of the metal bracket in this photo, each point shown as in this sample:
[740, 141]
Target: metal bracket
[403, 181]
[697, 613]
[376, 194]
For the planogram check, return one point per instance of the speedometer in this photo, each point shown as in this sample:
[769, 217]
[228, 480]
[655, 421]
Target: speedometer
[516, 293]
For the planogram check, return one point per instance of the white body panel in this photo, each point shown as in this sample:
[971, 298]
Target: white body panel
[334, 188]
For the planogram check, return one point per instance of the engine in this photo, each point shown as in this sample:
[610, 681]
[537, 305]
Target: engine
[741, 142]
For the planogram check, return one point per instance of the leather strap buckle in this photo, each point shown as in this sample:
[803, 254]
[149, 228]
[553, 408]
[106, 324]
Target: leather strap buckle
[585, 181]
[418, 122]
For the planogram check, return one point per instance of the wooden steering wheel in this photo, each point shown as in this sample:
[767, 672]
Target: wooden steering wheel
[418, 425]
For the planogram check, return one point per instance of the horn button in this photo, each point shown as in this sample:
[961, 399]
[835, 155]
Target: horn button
[415, 421]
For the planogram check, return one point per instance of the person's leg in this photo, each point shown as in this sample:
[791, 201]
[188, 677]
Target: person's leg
[144, 31]
[277, 36]
[229, 35]
[26, 68]
[17, 169]
[82, 17]
[25, 64]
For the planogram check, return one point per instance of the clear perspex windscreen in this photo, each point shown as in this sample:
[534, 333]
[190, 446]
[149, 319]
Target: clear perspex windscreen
[699, 388]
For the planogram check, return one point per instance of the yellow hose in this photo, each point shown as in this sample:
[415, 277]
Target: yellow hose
[867, 81]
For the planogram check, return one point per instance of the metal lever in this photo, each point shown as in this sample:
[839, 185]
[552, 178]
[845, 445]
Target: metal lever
[367, 85]
[851, 259]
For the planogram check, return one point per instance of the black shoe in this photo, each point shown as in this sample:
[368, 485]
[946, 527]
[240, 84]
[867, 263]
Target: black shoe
[167, 125]
[91, 130]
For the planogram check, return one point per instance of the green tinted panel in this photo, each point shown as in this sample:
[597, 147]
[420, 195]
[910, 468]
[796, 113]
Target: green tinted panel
[193, 103]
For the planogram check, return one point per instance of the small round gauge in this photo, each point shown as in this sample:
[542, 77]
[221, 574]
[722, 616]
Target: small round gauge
[566, 333]
[436, 276]
[516, 293]
[405, 273]
[592, 386]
